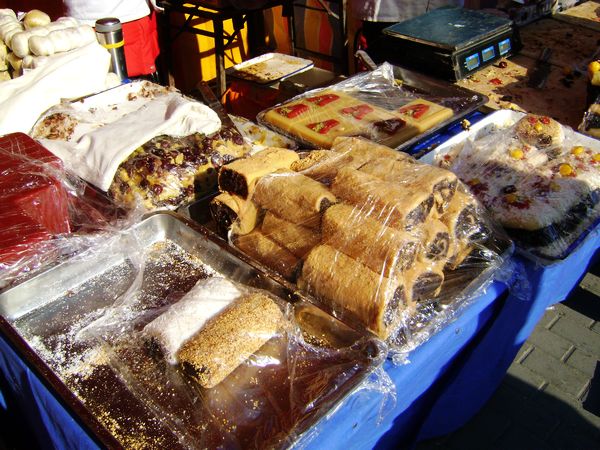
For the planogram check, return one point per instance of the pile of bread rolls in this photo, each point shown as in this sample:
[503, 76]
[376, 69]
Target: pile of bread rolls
[26, 42]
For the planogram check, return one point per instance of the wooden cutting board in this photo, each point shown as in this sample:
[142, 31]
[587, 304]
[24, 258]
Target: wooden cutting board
[585, 15]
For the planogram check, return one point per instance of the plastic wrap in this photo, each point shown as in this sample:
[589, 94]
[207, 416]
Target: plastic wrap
[146, 145]
[260, 137]
[540, 180]
[376, 237]
[170, 342]
[373, 105]
[46, 213]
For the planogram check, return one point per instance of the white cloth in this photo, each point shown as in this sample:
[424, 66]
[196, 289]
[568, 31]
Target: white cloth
[97, 149]
[72, 74]
[189, 315]
[395, 10]
[88, 12]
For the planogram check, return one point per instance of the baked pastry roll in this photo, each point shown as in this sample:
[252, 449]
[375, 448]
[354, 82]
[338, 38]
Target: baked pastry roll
[351, 152]
[391, 204]
[313, 157]
[384, 250]
[269, 253]
[240, 176]
[168, 332]
[442, 183]
[345, 283]
[461, 217]
[437, 242]
[424, 281]
[231, 212]
[228, 339]
[296, 197]
[299, 240]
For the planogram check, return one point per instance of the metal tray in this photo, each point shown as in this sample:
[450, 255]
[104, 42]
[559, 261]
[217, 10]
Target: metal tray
[497, 121]
[269, 68]
[462, 101]
[468, 281]
[43, 316]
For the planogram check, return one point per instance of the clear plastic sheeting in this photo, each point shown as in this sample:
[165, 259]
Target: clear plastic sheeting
[46, 213]
[373, 105]
[171, 342]
[539, 179]
[372, 235]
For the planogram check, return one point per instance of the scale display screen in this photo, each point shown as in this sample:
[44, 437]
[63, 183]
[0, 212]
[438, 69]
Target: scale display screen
[504, 46]
[472, 62]
[488, 53]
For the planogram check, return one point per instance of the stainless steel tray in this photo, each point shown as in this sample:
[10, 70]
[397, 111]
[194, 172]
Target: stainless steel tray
[467, 282]
[269, 68]
[126, 397]
[462, 101]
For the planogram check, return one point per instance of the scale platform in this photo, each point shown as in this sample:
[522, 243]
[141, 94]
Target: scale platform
[450, 42]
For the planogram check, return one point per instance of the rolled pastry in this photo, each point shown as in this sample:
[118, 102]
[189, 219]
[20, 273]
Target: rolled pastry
[345, 283]
[297, 239]
[462, 250]
[231, 212]
[438, 243]
[228, 339]
[352, 152]
[269, 253]
[240, 176]
[389, 203]
[442, 183]
[294, 196]
[384, 250]
[185, 318]
[461, 217]
[424, 281]
[314, 157]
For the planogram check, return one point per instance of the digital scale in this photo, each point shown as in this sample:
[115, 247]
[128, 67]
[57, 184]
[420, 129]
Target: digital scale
[450, 42]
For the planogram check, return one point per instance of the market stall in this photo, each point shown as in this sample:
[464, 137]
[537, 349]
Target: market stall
[173, 276]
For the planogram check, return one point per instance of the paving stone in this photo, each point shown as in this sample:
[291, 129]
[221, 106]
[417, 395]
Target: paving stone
[555, 372]
[519, 438]
[513, 404]
[583, 361]
[481, 432]
[549, 317]
[585, 338]
[574, 316]
[568, 409]
[524, 380]
[569, 437]
[550, 342]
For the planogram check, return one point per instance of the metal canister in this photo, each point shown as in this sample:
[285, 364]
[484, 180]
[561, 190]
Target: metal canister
[110, 35]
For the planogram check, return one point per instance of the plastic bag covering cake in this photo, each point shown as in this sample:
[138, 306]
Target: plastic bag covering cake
[45, 213]
[370, 105]
[172, 353]
[144, 144]
[539, 180]
[375, 236]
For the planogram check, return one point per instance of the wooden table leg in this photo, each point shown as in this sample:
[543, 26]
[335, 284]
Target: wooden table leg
[220, 58]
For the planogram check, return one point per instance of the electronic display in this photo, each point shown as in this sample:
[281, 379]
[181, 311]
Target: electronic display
[504, 46]
[488, 53]
[472, 62]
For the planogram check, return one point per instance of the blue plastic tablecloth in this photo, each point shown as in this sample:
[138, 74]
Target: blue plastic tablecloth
[474, 380]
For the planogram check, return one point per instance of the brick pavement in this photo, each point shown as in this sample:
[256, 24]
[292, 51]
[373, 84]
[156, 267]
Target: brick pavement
[550, 397]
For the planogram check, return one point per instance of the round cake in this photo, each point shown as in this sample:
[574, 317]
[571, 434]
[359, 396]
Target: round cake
[539, 131]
